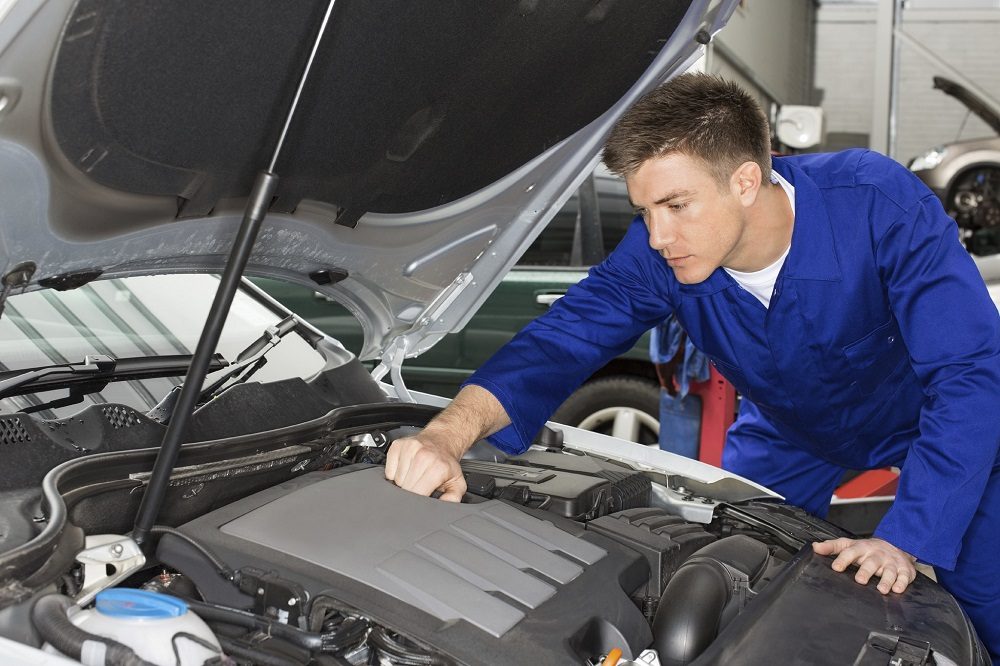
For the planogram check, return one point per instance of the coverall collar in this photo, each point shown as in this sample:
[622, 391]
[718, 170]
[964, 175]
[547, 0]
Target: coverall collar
[813, 255]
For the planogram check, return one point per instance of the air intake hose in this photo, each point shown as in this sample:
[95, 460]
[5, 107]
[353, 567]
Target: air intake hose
[694, 602]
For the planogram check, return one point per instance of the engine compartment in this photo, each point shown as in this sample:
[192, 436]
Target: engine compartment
[487, 581]
[293, 547]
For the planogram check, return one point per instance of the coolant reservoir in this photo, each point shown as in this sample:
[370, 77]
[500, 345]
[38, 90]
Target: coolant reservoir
[151, 624]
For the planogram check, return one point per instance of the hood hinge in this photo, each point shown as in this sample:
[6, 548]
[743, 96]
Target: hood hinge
[394, 354]
[392, 363]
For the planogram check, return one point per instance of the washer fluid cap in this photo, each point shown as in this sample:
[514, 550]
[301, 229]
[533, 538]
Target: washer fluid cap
[139, 604]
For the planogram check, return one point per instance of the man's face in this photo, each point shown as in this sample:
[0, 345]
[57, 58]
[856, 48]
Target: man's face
[692, 224]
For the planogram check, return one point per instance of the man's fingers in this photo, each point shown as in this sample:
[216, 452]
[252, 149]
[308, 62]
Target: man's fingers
[846, 558]
[874, 557]
[866, 571]
[903, 578]
[422, 464]
[889, 576]
[831, 547]
[431, 477]
[454, 490]
[407, 450]
[392, 461]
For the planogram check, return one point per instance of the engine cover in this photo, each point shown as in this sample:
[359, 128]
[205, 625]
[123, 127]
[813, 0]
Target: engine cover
[460, 576]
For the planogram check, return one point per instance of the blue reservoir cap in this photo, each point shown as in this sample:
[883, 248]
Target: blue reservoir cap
[126, 602]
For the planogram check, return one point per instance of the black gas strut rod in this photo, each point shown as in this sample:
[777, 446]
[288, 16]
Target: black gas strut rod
[257, 204]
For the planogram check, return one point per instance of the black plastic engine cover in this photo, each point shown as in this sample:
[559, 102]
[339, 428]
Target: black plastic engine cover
[578, 487]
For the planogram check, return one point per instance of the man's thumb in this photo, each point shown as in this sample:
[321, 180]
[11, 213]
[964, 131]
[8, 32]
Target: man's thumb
[452, 491]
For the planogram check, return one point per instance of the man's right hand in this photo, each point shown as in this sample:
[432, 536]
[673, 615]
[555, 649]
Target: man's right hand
[424, 463]
[428, 461]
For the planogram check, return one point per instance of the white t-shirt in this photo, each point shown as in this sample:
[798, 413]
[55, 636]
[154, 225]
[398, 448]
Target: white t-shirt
[761, 283]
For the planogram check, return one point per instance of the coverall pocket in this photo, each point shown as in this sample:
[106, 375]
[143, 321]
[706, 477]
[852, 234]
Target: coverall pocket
[734, 375]
[876, 356]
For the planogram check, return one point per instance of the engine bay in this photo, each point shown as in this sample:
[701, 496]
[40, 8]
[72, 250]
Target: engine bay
[551, 558]
[293, 548]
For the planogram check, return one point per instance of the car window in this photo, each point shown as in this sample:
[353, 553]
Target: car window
[144, 316]
[561, 241]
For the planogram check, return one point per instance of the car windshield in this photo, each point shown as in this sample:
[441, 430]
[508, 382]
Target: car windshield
[146, 316]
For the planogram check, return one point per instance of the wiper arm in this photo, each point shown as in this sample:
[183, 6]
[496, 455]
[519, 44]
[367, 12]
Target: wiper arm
[252, 358]
[97, 370]
[248, 361]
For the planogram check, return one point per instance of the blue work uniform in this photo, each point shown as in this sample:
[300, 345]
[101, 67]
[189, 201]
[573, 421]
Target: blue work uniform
[881, 347]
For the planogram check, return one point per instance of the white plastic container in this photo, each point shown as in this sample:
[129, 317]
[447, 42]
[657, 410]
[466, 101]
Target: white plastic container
[149, 623]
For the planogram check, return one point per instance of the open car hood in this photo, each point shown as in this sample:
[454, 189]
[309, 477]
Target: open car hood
[988, 113]
[432, 144]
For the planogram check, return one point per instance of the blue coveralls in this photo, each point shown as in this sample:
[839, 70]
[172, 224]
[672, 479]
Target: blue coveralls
[880, 347]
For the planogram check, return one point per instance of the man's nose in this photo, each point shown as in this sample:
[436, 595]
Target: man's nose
[661, 233]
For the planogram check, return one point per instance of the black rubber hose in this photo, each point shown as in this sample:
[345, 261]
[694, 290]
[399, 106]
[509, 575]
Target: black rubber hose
[690, 611]
[304, 639]
[54, 626]
[689, 616]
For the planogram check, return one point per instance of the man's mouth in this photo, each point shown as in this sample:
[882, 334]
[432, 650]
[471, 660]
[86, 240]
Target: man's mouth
[676, 261]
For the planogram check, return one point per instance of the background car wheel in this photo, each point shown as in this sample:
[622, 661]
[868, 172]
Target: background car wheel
[626, 407]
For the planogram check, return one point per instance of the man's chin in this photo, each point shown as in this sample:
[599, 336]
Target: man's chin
[689, 276]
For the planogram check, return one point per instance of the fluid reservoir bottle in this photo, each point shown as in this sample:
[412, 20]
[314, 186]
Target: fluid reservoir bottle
[152, 624]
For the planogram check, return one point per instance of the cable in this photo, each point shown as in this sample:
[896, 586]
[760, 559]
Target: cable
[197, 640]
[402, 651]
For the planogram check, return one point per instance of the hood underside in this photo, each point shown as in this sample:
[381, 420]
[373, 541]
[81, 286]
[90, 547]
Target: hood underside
[431, 144]
[986, 112]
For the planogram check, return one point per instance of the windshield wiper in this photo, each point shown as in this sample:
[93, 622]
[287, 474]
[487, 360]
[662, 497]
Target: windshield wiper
[248, 361]
[97, 370]
[251, 359]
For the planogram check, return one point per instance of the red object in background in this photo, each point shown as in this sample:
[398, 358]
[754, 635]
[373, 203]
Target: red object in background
[718, 411]
[873, 483]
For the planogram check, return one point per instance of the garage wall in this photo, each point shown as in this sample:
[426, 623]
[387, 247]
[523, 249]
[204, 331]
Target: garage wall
[767, 46]
[966, 39]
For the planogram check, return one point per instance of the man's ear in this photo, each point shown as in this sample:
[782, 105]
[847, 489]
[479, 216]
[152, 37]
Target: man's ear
[745, 183]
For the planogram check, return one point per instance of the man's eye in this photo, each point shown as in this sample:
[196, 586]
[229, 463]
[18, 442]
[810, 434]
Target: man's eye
[678, 206]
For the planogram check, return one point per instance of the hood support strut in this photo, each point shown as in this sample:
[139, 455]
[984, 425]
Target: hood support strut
[258, 203]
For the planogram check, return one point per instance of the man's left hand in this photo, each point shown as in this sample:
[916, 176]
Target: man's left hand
[874, 557]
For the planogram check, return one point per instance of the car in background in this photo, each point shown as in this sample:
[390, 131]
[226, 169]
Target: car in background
[621, 399]
[965, 175]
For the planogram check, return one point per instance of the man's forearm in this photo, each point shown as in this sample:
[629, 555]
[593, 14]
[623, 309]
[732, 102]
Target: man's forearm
[473, 414]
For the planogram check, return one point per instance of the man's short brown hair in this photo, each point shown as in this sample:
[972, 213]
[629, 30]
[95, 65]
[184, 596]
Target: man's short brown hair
[700, 115]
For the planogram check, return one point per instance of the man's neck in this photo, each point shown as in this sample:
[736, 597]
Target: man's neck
[768, 230]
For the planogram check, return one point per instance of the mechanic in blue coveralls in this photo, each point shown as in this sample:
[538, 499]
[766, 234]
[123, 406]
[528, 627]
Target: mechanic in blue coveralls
[830, 289]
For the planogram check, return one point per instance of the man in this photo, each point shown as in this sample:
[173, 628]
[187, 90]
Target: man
[831, 290]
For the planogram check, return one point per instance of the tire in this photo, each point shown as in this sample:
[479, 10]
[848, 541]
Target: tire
[630, 404]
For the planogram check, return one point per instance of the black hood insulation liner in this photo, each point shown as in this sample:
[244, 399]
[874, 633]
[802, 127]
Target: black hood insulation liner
[186, 98]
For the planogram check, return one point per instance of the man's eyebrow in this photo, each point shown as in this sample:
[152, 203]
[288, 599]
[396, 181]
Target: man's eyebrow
[676, 194]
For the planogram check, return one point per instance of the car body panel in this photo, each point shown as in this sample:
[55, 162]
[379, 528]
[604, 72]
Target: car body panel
[961, 157]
